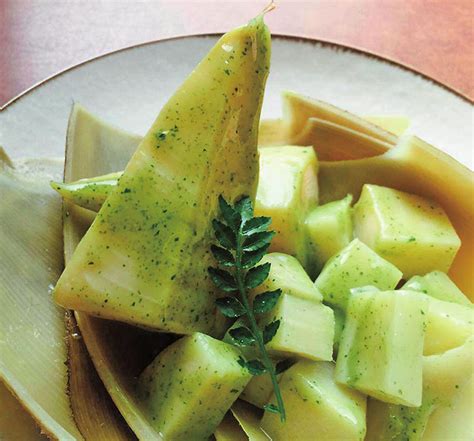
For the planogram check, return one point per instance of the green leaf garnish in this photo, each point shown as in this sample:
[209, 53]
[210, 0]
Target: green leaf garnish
[244, 207]
[223, 256]
[251, 258]
[257, 241]
[266, 301]
[283, 365]
[257, 275]
[270, 330]
[256, 225]
[224, 235]
[244, 240]
[231, 216]
[230, 307]
[242, 336]
[256, 367]
[223, 279]
[271, 408]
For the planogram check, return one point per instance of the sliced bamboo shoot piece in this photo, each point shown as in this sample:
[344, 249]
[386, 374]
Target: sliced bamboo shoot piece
[168, 194]
[88, 193]
[395, 124]
[116, 350]
[415, 167]
[336, 142]
[88, 154]
[248, 417]
[33, 351]
[272, 132]
[446, 410]
[454, 421]
[230, 430]
[297, 109]
[402, 169]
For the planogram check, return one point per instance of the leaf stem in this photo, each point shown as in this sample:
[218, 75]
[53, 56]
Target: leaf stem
[239, 276]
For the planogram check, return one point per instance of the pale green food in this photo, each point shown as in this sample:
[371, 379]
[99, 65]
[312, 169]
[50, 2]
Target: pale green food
[381, 349]
[453, 420]
[190, 386]
[147, 252]
[339, 323]
[418, 168]
[395, 422]
[355, 266]
[88, 193]
[317, 407]
[329, 229]
[444, 377]
[411, 232]
[287, 192]
[287, 274]
[290, 276]
[306, 329]
[448, 325]
[258, 391]
[438, 285]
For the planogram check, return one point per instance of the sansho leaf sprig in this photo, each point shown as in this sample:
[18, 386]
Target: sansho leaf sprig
[244, 240]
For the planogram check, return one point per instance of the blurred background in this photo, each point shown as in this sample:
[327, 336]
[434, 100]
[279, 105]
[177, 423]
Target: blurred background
[41, 37]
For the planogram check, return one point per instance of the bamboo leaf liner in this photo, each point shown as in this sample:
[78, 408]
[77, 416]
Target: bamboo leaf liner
[33, 351]
[15, 422]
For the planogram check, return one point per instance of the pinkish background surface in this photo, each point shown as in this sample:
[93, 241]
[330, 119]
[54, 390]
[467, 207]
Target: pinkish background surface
[41, 37]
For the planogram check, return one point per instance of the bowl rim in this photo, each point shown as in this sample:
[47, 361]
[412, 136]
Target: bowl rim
[296, 38]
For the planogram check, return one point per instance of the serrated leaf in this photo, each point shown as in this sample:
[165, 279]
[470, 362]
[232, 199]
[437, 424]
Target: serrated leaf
[283, 365]
[224, 234]
[222, 279]
[242, 336]
[256, 225]
[257, 241]
[270, 330]
[224, 257]
[257, 275]
[251, 258]
[230, 307]
[266, 301]
[242, 362]
[271, 408]
[244, 207]
[256, 367]
[240, 234]
[230, 215]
